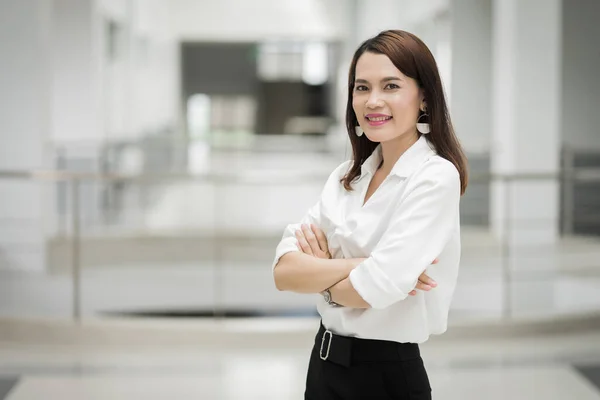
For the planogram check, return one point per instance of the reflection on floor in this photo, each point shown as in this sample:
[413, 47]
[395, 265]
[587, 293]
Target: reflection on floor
[592, 373]
[6, 384]
[268, 361]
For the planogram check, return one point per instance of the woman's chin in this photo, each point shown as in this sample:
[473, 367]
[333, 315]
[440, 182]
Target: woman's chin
[381, 136]
[378, 137]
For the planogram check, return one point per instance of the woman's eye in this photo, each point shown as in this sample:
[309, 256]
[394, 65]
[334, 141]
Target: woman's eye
[360, 88]
[392, 86]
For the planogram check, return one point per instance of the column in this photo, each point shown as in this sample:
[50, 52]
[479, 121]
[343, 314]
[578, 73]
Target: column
[526, 110]
[526, 114]
[470, 102]
[471, 71]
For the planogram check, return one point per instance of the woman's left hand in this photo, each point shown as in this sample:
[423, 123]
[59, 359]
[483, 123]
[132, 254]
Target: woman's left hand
[312, 241]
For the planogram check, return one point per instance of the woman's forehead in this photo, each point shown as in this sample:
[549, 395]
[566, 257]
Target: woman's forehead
[376, 65]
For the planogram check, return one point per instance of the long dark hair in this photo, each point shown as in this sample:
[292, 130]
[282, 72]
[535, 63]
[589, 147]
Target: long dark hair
[412, 57]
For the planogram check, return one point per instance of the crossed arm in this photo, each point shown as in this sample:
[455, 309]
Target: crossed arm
[312, 270]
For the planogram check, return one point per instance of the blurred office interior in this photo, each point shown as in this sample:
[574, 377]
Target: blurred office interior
[152, 151]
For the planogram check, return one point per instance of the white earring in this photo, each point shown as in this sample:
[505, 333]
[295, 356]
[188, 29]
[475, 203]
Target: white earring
[423, 127]
[358, 130]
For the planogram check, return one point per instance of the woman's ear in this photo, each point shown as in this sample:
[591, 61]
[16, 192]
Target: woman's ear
[422, 103]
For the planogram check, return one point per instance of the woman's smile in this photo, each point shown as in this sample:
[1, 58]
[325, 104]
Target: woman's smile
[377, 119]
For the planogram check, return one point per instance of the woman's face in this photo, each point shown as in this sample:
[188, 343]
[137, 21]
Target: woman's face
[385, 101]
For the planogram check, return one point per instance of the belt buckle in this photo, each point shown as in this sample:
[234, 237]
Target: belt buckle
[324, 357]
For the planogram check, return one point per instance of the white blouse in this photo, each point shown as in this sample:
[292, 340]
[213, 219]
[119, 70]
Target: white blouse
[411, 219]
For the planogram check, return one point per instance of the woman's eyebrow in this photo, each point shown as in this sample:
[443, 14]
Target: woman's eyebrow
[386, 79]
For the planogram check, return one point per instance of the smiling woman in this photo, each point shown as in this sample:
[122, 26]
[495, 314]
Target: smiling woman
[384, 217]
[386, 106]
[396, 70]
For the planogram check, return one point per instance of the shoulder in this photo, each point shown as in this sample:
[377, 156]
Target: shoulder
[333, 189]
[438, 171]
[341, 170]
[333, 186]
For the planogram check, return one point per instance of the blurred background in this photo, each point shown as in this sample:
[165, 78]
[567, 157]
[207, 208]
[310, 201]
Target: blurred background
[152, 151]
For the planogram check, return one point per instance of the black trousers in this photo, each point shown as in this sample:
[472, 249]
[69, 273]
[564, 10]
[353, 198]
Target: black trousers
[344, 368]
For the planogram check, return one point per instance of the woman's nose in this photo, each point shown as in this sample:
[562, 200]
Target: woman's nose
[373, 101]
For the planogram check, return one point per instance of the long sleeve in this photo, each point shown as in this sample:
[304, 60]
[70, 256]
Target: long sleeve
[417, 233]
[288, 241]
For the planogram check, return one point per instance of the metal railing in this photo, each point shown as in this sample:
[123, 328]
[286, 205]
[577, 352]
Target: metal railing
[75, 181]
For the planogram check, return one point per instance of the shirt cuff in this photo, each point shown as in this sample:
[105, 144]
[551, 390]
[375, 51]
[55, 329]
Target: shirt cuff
[374, 286]
[285, 246]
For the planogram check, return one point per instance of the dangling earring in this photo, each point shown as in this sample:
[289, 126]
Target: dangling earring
[423, 127]
[358, 130]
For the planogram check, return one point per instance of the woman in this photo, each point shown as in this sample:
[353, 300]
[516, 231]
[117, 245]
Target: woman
[382, 219]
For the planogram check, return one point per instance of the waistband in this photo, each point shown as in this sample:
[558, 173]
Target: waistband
[346, 350]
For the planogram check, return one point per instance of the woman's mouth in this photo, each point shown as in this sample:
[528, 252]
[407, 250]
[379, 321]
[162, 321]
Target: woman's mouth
[377, 119]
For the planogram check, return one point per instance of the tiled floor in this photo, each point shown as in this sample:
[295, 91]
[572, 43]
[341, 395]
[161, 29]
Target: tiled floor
[251, 363]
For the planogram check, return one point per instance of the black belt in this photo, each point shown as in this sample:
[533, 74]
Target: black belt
[345, 350]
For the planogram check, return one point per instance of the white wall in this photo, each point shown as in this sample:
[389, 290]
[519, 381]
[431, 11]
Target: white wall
[415, 12]
[25, 120]
[75, 111]
[256, 20]
[96, 98]
[581, 75]
[374, 16]
[140, 85]
[25, 40]
[155, 67]
[428, 19]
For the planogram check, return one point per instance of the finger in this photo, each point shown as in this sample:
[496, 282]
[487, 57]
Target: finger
[303, 243]
[304, 246]
[321, 238]
[437, 260]
[412, 293]
[423, 286]
[311, 239]
[427, 280]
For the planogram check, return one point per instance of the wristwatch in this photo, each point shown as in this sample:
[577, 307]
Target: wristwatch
[327, 296]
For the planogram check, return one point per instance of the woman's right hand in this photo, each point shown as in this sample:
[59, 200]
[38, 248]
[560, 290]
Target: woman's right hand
[312, 241]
